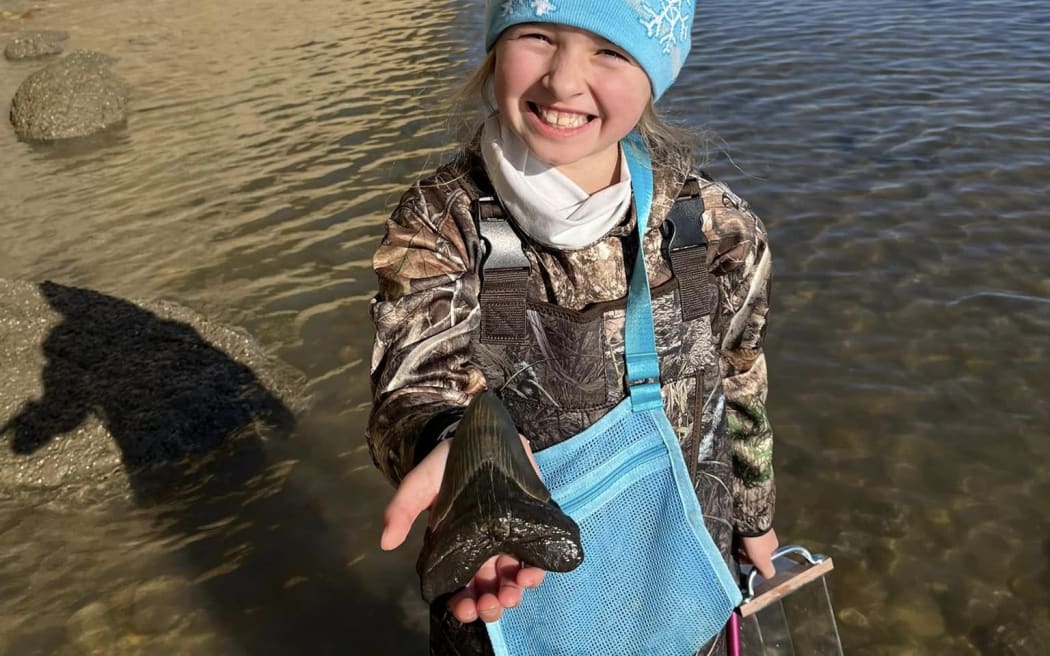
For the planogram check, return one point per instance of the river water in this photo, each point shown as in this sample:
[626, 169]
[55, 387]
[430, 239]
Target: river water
[896, 150]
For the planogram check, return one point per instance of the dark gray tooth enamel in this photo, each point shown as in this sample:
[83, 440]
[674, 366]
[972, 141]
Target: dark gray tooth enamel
[492, 501]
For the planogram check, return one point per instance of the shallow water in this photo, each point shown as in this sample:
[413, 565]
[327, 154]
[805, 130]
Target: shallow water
[896, 150]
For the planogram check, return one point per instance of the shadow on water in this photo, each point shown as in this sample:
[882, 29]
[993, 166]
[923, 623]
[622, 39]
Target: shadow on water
[197, 435]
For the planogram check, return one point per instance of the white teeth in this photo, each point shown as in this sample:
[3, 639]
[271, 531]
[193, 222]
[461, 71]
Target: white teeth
[561, 119]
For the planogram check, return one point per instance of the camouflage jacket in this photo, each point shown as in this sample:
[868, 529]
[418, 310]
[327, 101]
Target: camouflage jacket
[426, 314]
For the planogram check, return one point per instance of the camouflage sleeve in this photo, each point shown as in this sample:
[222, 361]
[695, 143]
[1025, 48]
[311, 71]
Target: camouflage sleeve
[424, 313]
[742, 265]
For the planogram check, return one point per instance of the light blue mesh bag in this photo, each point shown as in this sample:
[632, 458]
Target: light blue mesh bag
[652, 581]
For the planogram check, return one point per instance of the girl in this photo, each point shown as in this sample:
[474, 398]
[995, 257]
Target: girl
[531, 305]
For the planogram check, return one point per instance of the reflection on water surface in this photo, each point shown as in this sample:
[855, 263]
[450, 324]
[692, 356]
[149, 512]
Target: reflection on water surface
[896, 151]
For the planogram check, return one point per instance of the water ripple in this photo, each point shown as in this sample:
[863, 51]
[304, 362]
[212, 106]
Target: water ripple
[896, 150]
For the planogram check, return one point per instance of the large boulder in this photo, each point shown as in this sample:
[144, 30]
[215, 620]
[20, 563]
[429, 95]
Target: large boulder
[105, 398]
[31, 45]
[75, 96]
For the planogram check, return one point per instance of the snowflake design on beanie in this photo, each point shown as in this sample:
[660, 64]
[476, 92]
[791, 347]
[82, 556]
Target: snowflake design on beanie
[668, 23]
[539, 7]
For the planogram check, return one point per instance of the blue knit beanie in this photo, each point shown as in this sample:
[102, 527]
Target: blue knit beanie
[656, 33]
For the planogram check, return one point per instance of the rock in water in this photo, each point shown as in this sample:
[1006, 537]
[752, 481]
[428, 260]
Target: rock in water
[31, 45]
[492, 501]
[102, 398]
[75, 96]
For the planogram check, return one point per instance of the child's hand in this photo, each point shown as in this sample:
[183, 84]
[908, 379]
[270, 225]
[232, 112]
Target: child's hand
[416, 493]
[497, 585]
[759, 552]
[499, 582]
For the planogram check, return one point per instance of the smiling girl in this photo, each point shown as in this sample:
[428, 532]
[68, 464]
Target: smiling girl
[510, 269]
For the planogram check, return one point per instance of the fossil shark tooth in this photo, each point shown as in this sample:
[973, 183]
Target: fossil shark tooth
[492, 501]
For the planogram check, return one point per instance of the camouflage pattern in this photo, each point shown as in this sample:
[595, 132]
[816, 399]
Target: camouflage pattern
[569, 370]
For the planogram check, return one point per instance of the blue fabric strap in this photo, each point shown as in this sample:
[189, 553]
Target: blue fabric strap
[643, 365]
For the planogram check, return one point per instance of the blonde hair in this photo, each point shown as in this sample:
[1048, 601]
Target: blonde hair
[473, 102]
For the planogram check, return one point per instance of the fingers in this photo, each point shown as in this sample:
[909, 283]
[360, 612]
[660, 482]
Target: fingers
[509, 591]
[463, 606]
[498, 585]
[489, 608]
[486, 586]
[477, 600]
[530, 577]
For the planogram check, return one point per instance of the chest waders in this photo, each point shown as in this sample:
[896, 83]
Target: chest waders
[652, 580]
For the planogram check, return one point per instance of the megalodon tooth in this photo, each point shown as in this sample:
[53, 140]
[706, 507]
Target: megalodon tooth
[492, 501]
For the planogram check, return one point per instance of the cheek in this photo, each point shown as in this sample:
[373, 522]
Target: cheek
[629, 108]
[631, 98]
[511, 73]
[511, 79]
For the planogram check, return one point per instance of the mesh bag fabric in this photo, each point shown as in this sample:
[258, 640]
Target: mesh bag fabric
[652, 580]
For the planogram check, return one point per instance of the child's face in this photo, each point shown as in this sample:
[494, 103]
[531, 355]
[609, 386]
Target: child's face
[569, 94]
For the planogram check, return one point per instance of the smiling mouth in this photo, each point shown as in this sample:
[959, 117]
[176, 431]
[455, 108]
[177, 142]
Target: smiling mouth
[558, 119]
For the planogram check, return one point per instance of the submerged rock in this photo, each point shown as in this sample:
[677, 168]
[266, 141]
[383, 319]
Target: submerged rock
[31, 45]
[91, 631]
[1018, 629]
[103, 397]
[1013, 637]
[160, 616]
[75, 96]
[920, 614]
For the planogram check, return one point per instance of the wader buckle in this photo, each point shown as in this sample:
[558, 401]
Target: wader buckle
[685, 247]
[504, 275]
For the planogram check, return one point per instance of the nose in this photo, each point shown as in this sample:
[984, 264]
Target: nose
[565, 75]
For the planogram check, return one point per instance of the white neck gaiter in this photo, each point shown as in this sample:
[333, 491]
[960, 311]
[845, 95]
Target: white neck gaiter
[544, 202]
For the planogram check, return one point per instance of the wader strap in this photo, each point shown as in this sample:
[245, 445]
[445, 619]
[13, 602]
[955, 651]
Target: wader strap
[504, 276]
[686, 248]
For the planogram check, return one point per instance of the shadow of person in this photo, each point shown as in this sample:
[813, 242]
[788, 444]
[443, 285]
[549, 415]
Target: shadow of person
[164, 393]
[197, 434]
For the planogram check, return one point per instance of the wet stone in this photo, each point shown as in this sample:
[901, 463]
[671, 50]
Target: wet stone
[921, 615]
[891, 649]
[8, 523]
[108, 399]
[1013, 637]
[32, 45]
[154, 617]
[990, 547]
[982, 603]
[1030, 587]
[40, 641]
[853, 617]
[857, 586]
[159, 605]
[75, 96]
[90, 630]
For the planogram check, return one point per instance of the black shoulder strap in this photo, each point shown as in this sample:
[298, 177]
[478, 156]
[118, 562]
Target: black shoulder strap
[685, 246]
[504, 275]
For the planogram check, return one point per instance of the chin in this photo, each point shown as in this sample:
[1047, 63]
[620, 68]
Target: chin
[556, 156]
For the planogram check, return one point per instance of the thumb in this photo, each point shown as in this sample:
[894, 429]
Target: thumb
[759, 551]
[415, 494]
[764, 565]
